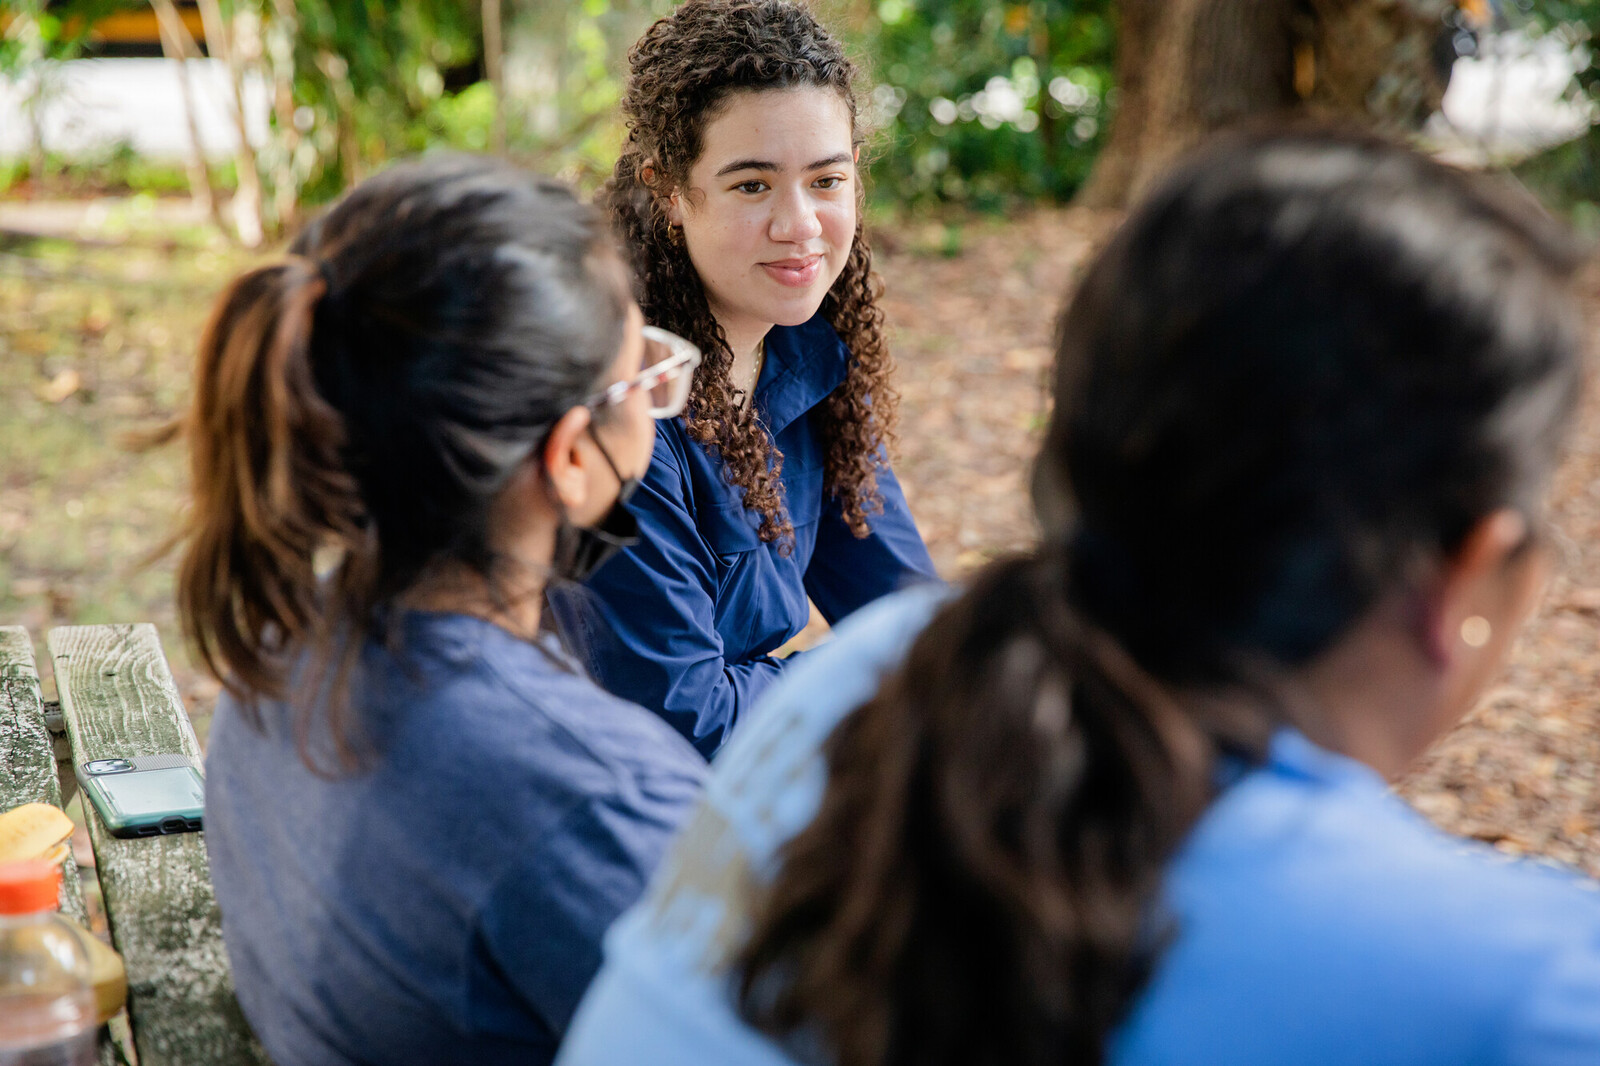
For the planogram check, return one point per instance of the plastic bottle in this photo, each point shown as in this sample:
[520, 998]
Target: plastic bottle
[47, 1012]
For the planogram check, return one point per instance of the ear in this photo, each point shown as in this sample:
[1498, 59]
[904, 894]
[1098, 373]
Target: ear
[675, 208]
[855, 154]
[1482, 580]
[566, 462]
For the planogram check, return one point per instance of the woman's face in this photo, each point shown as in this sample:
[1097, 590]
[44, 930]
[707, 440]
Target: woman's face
[770, 210]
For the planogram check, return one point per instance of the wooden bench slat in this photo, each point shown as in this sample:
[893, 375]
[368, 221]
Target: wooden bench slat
[119, 700]
[27, 750]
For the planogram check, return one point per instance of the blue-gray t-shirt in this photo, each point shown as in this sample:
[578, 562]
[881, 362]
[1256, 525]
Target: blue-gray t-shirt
[445, 904]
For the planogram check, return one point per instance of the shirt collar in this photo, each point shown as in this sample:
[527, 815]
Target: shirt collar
[1292, 754]
[804, 364]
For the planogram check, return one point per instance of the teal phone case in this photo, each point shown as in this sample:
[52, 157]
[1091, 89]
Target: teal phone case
[145, 795]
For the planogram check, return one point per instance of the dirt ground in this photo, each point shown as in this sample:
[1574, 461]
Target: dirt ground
[96, 340]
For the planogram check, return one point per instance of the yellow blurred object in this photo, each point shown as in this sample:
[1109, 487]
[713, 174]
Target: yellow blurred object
[58, 854]
[34, 831]
[107, 973]
[1305, 70]
[124, 27]
[1477, 12]
[140, 26]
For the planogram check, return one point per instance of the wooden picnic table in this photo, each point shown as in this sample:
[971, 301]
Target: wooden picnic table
[118, 700]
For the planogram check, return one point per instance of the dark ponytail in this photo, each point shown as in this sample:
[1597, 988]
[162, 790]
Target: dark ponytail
[995, 820]
[359, 406]
[1302, 369]
[268, 486]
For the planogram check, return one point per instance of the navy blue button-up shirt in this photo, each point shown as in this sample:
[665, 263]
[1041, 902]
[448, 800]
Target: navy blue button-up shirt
[686, 620]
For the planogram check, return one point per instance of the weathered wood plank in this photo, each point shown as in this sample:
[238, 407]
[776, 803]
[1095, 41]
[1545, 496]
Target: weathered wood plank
[119, 700]
[27, 754]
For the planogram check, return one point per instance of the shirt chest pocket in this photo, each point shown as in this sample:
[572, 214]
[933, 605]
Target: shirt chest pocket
[730, 530]
[760, 589]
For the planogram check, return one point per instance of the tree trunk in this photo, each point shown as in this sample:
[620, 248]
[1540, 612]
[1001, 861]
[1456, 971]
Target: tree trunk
[494, 63]
[1187, 68]
[38, 153]
[247, 199]
[286, 182]
[178, 46]
[337, 71]
[1114, 168]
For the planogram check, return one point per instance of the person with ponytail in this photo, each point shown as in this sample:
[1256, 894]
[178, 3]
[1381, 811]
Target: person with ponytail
[739, 198]
[421, 814]
[1124, 799]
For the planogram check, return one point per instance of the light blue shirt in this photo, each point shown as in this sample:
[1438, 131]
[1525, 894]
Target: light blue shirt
[1320, 921]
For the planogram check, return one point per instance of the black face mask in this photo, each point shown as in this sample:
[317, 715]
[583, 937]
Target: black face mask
[580, 550]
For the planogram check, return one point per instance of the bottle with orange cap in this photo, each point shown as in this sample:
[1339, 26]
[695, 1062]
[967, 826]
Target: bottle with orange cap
[47, 1006]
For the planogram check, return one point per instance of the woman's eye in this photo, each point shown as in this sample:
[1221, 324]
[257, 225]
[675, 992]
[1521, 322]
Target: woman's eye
[750, 186]
[829, 182]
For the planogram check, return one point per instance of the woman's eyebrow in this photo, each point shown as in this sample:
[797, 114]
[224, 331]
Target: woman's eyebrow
[831, 161]
[748, 164]
[767, 164]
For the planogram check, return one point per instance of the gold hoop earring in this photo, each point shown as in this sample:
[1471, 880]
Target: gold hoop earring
[1476, 631]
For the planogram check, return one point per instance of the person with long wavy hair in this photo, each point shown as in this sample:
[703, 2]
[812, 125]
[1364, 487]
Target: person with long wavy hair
[421, 815]
[739, 197]
[1125, 799]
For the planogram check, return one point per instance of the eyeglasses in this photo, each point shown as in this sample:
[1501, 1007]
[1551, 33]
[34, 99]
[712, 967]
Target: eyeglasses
[669, 363]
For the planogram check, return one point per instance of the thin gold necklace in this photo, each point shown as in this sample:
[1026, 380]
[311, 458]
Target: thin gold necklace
[748, 396]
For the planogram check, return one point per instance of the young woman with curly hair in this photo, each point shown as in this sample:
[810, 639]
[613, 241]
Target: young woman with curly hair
[1125, 800]
[739, 197]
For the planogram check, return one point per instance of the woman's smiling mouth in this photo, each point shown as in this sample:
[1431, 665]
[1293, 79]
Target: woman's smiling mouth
[798, 272]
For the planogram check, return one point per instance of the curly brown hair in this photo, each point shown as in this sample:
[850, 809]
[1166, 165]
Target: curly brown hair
[681, 72]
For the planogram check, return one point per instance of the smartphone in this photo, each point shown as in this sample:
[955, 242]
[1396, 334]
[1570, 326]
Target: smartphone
[146, 795]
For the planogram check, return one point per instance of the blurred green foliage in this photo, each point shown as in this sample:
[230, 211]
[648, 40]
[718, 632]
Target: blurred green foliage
[34, 31]
[369, 83]
[116, 169]
[565, 69]
[1566, 176]
[976, 103]
[982, 102]
[371, 80]
[374, 80]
